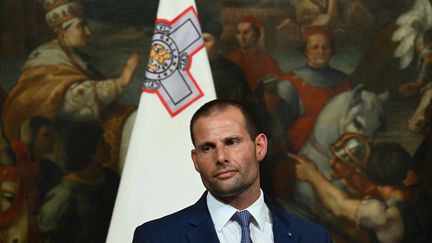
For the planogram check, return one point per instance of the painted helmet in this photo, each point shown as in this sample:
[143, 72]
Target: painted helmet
[353, 149]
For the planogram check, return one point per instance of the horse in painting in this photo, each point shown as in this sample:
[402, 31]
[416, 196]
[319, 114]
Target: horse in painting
[356, 111]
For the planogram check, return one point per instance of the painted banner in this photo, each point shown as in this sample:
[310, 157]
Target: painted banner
[158, 177]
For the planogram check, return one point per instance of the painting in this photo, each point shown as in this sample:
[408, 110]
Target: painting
[341, 87]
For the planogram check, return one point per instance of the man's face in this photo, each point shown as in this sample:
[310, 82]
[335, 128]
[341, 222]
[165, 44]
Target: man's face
[76, 35]
[16, 230]
[341, 169]
[226, 157]
[44, 140]
[246, 36]
[211, 45]
[318, 51]
[7, 195]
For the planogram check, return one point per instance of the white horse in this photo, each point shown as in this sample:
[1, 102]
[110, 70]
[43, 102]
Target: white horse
[351, 111]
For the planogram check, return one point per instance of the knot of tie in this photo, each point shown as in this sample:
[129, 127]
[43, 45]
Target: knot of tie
[244, 218]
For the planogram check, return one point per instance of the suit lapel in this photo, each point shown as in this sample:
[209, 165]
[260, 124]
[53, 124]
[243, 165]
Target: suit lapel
[204, 232]
[201, 225]
[282, 232]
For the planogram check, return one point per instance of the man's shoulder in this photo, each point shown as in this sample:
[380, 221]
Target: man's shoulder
[164, 229]
[192, 224]
[47, 54]
[172, 228]
[290, 76]
[171, 220]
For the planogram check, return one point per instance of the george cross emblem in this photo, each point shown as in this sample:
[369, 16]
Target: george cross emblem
[173, 45]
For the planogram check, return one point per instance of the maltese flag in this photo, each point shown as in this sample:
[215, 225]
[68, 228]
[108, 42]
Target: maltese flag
[158, 177]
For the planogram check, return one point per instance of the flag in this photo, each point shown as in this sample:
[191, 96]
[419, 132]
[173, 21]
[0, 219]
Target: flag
[158, 176]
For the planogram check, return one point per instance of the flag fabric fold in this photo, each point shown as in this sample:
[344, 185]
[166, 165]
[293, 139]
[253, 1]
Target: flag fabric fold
[158, 177]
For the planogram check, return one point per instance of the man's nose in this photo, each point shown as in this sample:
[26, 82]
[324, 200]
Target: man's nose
[222, 155]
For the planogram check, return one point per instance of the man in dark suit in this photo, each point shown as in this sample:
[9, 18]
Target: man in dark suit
[228, 149]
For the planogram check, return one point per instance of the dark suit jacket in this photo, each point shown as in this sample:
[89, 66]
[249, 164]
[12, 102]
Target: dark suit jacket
[194, 225]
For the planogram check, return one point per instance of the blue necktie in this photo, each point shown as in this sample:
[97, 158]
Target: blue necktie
[244, 218]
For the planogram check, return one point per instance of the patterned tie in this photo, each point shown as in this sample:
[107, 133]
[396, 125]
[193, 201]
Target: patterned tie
[244, 218]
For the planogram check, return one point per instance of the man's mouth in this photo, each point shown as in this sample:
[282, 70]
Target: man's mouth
[225, 174]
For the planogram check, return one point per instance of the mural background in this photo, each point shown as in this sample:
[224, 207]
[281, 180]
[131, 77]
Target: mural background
[362, 29]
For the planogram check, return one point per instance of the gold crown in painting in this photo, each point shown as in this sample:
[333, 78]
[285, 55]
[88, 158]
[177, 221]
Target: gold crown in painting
[60, 11]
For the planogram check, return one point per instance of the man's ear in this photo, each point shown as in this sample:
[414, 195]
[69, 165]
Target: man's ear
[194, 159]
[261, 146]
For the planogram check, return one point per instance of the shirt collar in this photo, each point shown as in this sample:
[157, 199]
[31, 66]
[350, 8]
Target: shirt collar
[221, 212]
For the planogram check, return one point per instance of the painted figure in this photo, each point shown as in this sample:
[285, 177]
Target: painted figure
[305, 91]
[255, 63]
[229, 80]
[57, 82]
[262, 73]
[420, 176]
[40, 136]
[414, 38]
[57, 86]
[85, 195]
[357, 111]
[423, 80]
[376, 207]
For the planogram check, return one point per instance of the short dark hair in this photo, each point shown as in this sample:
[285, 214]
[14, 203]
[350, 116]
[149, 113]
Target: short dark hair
[213, 27]
[221, 105]
[388, 164]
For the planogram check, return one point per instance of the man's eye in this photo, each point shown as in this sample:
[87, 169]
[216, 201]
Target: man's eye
[206, 149]
[231, 142]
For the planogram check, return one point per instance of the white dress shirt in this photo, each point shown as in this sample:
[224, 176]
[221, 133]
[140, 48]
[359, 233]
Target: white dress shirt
[229, 231]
